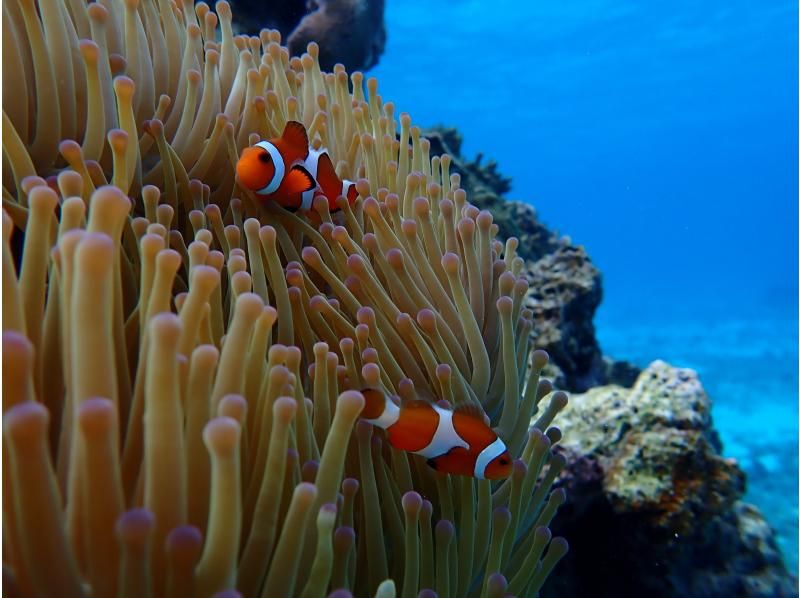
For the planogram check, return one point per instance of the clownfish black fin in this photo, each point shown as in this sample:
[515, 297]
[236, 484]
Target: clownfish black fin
[298, 180]
[294, 135]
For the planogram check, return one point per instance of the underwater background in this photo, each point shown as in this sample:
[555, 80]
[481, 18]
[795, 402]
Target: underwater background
[663, 138]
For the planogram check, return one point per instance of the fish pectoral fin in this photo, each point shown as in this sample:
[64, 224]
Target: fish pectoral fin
[294, 134]
[456, 460]
[298, 180]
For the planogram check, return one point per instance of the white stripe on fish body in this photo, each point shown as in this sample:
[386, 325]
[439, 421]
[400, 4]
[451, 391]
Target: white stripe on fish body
[389, 417]
[280, 168]
[346, 187]
[486, 456]
[445, 437]
[311, 164]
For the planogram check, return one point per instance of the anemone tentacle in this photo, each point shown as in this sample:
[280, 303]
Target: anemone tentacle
[198, 355]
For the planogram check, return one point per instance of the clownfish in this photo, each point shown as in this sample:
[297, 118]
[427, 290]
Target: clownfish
[453, 442]
[288, 171]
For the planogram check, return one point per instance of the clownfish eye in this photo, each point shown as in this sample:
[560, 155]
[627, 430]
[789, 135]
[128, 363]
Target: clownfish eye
[264, 157]
[504, 461]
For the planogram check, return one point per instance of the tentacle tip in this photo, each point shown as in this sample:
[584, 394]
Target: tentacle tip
[351, 402]
[412, 502]
[445, 529]
[186, 540]
[134, 526]
[26, 420]
[539, 358]
[221, 435]
[505, 306]
[96, 415]
[559, 400]
[450, 262]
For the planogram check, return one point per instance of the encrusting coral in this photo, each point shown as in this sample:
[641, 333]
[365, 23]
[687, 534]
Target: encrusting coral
[182, 364]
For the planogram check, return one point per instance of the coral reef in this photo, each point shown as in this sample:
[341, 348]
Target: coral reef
[487, 188]
[653, 508]
[182, 363]
[350, 32]
[566, 288]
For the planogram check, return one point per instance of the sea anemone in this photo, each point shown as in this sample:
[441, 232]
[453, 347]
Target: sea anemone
[182, 363]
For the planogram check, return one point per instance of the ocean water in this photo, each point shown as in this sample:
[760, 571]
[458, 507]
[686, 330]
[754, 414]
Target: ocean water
[663, 138]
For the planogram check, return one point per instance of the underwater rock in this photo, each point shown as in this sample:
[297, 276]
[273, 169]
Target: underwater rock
[351, 32]
[566, 288]
[653, 508]
[621, 372]
[565, 291]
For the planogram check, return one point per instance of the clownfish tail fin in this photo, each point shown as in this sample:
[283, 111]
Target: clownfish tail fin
[350, 191]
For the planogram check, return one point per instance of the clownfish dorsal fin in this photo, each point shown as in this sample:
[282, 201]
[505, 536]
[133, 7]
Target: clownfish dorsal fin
[415, 403]
[295, 137]
[298, 180]
[471, 409]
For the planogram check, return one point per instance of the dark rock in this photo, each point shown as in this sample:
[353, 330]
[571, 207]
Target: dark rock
[653, 509]
[351, 32]
[252, 16]
[621, 373]
[564, 294]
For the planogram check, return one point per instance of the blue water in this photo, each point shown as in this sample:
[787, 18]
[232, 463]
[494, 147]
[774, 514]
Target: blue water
[662, 136]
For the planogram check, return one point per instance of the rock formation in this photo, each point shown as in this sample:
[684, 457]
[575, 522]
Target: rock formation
[350, 32]
[653, 508]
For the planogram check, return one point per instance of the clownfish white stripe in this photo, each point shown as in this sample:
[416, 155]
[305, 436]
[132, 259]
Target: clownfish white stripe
[280, 168]
[388, 417]
[346, 187]
[487, 455]
[445, 438]
[312, 166]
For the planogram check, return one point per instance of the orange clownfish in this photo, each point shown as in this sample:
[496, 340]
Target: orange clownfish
[454, 442]
[291, 173]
